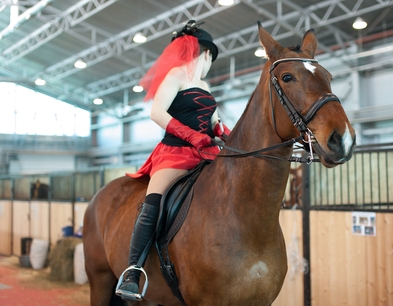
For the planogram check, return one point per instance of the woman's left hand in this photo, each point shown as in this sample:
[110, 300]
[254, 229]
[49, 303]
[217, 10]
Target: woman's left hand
[221, 130]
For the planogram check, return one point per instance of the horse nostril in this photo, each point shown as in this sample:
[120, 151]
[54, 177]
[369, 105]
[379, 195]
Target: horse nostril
[335, 142]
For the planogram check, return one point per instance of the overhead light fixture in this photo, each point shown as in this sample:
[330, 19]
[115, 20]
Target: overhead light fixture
[226, 2]
[98, 101]
[137, 88]
[359, 24]
[139, 38]
[40, 82]
[260, 52]
[80, 64]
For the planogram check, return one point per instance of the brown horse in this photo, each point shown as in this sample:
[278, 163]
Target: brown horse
[230, 249]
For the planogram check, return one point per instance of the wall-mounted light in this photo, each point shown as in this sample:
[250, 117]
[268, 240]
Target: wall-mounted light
[139, 38]
[359, 24]
[80, 64]
[40, 82]
[226, 2]
[98, 101]
[260, 52]
[137, 88]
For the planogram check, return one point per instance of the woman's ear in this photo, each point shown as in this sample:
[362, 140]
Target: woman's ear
[207, 54]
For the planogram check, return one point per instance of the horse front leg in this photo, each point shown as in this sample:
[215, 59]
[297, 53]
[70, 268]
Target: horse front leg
[102, 288]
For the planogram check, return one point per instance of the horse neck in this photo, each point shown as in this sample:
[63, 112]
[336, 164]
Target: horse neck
[255, 178]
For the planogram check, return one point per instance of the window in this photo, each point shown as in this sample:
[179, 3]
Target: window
[24, 111]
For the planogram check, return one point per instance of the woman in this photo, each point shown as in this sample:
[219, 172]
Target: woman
[185, 109]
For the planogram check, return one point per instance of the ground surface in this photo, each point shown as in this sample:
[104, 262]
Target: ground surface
[28, 287]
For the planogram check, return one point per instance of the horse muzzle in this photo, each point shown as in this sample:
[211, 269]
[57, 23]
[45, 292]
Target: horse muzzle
[338, 148]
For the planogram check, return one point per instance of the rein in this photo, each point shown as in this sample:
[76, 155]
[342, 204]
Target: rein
[257, 153]
[298, 120]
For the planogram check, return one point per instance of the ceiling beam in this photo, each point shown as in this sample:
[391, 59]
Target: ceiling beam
[281, 25]
[231, 44]
[153, 28]
[70, 18]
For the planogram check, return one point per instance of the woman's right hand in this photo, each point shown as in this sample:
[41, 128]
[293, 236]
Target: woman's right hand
[198, 140]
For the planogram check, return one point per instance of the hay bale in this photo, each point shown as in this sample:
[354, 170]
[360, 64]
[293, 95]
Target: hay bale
[61, 259]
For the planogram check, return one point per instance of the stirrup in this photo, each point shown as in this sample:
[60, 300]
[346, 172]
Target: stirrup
[128, 295]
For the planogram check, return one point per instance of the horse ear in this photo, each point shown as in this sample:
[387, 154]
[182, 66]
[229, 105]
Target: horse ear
[273, 49]
[309, 44]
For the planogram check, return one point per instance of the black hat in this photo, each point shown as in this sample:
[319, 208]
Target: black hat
[204, 38]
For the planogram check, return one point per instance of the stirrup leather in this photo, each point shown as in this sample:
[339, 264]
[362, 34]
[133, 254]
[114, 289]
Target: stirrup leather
[128, 295]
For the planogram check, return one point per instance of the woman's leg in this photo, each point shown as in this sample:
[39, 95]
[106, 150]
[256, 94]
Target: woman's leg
[145, 226]
[160, 180]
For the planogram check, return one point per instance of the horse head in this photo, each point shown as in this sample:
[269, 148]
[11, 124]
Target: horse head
[302, 86]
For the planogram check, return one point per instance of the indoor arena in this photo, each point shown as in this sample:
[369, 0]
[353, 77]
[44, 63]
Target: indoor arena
[199, 153]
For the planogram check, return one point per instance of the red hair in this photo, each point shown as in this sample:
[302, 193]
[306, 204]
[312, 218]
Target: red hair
[179, 52]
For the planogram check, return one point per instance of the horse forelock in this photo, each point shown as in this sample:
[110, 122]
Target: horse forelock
[295, 48]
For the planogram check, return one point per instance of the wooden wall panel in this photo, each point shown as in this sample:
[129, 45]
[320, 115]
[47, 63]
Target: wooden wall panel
[20, 225]
[60, 216]
[5, 227]
[39, 218]
[292, 292]
[347, 269]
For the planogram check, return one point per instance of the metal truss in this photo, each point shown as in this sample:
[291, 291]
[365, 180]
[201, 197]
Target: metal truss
[283, 26]
[70, 18]
[285, 20]
[153, 28]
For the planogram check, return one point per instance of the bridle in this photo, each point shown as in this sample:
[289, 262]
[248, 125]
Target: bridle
[298, 120]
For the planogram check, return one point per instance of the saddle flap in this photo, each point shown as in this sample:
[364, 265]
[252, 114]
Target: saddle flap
[174, 196]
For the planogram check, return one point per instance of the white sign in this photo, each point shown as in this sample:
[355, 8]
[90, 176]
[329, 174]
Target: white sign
[363, 223]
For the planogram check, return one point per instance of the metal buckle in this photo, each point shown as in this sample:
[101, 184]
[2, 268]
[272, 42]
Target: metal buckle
[310, 157]
[128, 295]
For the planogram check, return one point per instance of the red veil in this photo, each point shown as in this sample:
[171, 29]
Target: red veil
[179, 52]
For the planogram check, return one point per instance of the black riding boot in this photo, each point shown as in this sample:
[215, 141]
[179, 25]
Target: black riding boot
[144, 228]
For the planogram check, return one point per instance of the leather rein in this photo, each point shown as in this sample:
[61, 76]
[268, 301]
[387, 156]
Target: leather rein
[298, 120]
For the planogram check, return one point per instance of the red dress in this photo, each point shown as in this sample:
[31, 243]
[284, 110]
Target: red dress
[193, 107]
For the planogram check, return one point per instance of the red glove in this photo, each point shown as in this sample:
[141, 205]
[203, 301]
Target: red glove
[198, 140]
[222, 134]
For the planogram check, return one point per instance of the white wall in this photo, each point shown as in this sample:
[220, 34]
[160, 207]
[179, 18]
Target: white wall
[34, 164]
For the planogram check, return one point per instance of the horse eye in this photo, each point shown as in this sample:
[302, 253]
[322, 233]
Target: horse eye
[287, 78]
